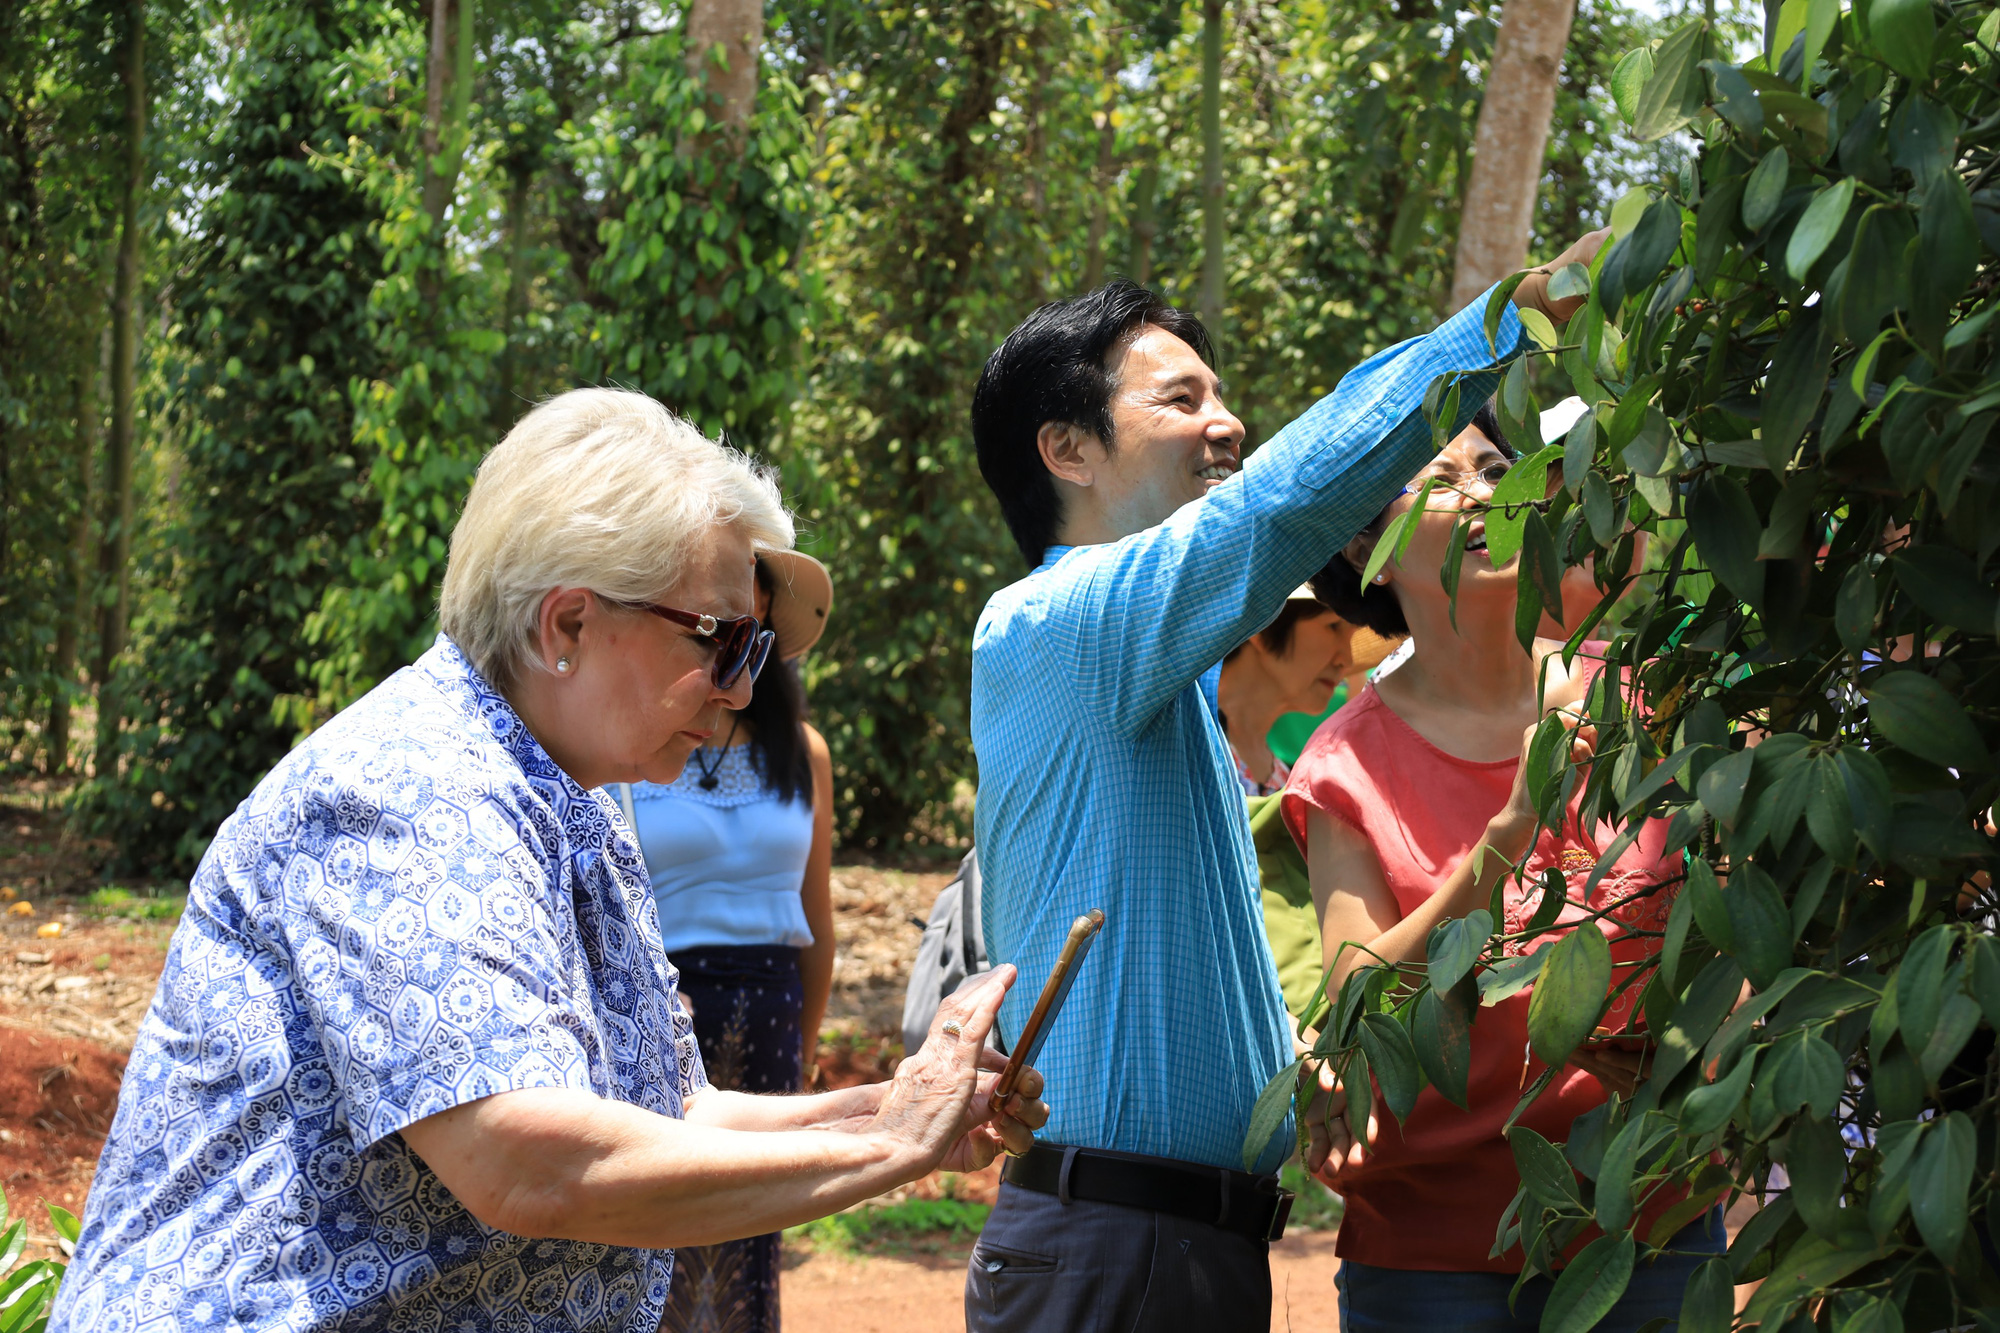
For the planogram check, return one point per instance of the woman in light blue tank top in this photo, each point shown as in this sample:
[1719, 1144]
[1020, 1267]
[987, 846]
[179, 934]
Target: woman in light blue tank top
[740, 850]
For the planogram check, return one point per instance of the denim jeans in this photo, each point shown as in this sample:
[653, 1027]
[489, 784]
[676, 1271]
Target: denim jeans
[1408, 1300]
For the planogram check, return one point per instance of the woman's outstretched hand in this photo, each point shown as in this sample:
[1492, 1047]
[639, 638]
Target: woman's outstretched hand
[940, 1105]
[1330, 1145]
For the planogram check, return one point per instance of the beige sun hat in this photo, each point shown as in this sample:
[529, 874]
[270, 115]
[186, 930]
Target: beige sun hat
[801, 600]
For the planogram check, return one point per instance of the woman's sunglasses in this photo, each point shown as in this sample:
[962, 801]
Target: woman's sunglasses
[741, 644]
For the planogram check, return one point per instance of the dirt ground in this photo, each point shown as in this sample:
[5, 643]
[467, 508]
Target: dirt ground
[924, 1293]
[71, 1001]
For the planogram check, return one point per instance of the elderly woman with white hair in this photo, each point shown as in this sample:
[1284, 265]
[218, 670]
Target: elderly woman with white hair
[417, 1059]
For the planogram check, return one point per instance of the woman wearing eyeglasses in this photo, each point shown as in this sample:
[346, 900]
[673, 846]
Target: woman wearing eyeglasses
[740, 851]
[417, 1058]
[1393, 801]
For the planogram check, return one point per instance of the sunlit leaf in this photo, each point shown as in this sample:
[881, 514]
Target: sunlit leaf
[1672, 93]
[1628, 77]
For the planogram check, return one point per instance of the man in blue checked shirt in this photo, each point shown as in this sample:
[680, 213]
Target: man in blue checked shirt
[1106, 781]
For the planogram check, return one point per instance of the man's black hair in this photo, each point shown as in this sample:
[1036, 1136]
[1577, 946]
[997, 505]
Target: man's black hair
[1052, 368]
[1375, 606]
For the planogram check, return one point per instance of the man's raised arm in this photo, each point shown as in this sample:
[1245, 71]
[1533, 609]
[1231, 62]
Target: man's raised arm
[1147, 614]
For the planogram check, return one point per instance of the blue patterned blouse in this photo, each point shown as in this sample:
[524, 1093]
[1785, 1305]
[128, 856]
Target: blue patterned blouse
[414, 910]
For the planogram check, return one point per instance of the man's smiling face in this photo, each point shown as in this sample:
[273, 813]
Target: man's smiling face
[1172, 440]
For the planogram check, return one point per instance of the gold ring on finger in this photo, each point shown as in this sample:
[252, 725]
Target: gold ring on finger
[955, 1028]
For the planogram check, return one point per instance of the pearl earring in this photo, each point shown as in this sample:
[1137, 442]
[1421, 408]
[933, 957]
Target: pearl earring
[562, 666]
[1381, 578]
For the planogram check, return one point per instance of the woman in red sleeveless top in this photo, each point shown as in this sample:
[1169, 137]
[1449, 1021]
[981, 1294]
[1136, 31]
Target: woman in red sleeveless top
[1389, 801]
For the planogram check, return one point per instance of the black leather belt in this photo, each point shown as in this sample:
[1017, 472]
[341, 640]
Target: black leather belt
[1253, 1206]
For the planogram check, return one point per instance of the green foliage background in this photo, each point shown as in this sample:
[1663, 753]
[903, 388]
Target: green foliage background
[1794, 370]
[324, 361]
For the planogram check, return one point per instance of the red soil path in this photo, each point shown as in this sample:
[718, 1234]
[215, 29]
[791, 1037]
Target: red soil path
[56, 1099]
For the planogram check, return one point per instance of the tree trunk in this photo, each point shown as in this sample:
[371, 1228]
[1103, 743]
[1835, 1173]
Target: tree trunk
[737, 26]
[114, 552]
[1499, 214]
[1213, 229]
[1107, 164]
[447, 99]
[1145, 221]
[506, 403]
[69, 630]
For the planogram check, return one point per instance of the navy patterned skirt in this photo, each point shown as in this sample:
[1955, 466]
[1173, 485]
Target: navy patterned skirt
[747, 1004]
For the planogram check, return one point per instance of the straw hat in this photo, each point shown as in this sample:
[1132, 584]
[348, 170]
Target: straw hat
[801, 600]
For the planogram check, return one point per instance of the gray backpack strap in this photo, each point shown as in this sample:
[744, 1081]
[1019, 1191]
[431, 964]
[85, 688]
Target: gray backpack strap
[949, 952]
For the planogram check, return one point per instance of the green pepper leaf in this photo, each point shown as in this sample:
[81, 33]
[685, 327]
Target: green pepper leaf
[1817, 228]
[1919, 715]
[1759, 923]
[1671, 95]
[1709, 1106]
[1940, 1177]
[1708, 1305]
[1628, 77]
[1393, 1061]
[1903, 31]
[1816, 1160]
[1765, 189]
[1550, 1179]
[1274, 1103]
[1725, 527]
[1456, 945]
[1441, 1031]
[1570, 994]
[1590, 1285]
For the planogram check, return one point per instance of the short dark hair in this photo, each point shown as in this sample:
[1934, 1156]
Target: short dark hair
[1278, 635]
[1052, 368]
[1339, 584]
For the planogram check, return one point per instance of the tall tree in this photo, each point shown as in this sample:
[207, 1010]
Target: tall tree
[447, 100]
[1498, 216]
[115, 536]
[1214, 196]
[70, 627]
[723, 38]
[1102, 177]
[270, 329]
